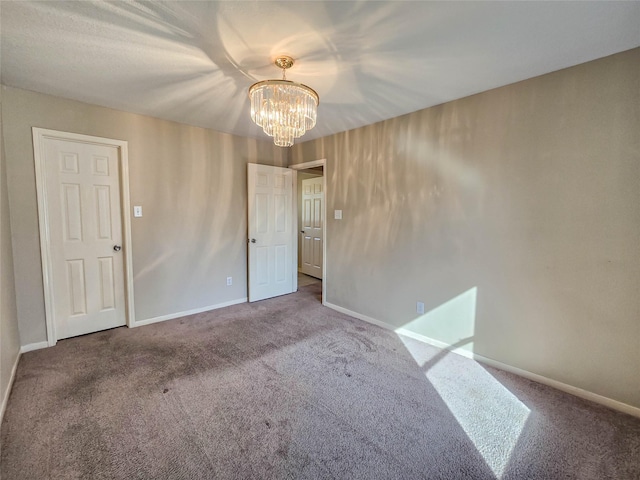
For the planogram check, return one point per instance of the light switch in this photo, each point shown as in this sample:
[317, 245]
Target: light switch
[337, 214]
[137, 211]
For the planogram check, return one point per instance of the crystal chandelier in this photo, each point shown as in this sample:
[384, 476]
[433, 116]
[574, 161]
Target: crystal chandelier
[285, 110]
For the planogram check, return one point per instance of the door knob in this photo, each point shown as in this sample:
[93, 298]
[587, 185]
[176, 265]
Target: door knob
[117, 248]
[253, 240]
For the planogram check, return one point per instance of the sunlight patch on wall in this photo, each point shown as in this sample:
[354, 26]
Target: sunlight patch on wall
[449, 324]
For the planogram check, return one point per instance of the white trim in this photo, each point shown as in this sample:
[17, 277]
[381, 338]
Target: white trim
[7, 392]
[43, 220]
[303, 166]
[294, 232]
[578, 392]
[39, 135]
[312, 164]
[171, 316]
[435, 343]
[359, 316]
[30, 347]
[126, 224]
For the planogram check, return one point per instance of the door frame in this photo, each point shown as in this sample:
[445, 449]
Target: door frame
[303, 166]
[39, 137]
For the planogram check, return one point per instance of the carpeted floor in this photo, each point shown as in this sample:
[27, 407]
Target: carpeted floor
[285, 388]
[306, 280]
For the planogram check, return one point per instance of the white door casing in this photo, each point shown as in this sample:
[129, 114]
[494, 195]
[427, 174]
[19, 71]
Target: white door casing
[295, 169]
[271, 237]
[82, 186]
[312, 226]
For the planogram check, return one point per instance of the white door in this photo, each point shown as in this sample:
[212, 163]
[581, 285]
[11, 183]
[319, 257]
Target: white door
[270, 196]
[311, 228]
[82, 188]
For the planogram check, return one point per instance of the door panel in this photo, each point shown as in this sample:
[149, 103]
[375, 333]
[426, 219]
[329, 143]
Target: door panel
[103, 211]
[71, 216]
[77, 294]
[82, 185]
[270, 193]
[107, 283]
[312, 226]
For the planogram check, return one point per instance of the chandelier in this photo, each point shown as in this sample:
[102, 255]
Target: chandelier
[285, 110]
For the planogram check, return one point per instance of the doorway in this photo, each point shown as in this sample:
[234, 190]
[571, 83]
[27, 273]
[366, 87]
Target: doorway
[310, 222]
[310, 184]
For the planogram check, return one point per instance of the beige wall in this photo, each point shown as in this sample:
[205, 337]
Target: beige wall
[191, 183]
[9, 338]
[514, 215]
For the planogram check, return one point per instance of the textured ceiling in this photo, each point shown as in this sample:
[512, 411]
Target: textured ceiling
[192, 62]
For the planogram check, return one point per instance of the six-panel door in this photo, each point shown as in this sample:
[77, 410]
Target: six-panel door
[85, 229]
[270, 192]
[312, 227]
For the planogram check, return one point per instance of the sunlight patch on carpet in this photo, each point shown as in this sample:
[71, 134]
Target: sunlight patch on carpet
[490, 415]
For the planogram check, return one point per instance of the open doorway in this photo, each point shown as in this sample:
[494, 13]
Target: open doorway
[310, 216]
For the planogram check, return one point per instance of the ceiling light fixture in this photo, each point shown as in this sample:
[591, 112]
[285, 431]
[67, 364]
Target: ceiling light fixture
[285, 110]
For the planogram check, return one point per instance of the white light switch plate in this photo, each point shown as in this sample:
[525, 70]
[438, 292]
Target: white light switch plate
[337, 214]
[137, 211]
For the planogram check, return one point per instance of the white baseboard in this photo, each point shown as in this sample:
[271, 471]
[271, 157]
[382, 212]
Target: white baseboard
[7, 392]
[171, 316]
[578, 392]
[359, 316]
[435, 343]
[33, 346]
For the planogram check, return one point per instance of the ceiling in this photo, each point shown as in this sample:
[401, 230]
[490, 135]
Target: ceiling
[193, 62]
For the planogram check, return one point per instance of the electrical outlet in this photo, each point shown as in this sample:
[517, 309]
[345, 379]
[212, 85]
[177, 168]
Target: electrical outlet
[420, 308]
[229, 281]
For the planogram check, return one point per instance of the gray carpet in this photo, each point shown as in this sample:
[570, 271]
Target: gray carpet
[285, 388]
[306, 280]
